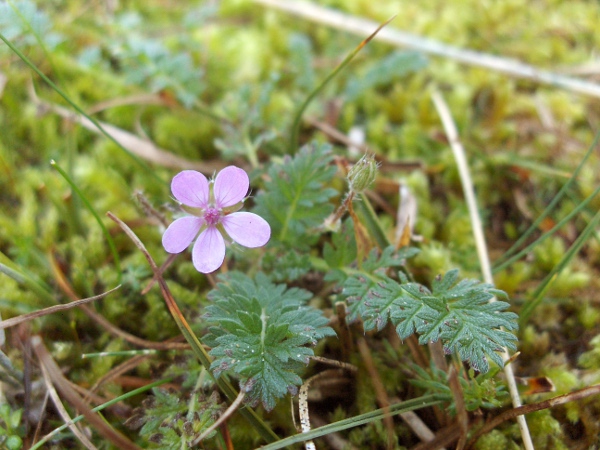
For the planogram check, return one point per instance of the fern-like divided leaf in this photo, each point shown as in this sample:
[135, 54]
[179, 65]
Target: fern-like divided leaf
[169, 422]
[360, 288]
[457, 312]
[295, 198]
[262, 332]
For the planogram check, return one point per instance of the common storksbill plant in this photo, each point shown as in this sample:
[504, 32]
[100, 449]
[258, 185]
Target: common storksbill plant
[263, 333]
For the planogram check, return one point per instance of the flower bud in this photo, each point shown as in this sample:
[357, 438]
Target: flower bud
[362, 173]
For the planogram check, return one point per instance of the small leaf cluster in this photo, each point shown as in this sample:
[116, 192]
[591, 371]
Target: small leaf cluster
[295, 199]
[459, 313]
[11, 429]
[479, 391]
[262, 332]
[168, 422]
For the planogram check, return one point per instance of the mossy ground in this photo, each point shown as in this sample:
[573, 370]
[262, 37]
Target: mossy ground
[250, 67]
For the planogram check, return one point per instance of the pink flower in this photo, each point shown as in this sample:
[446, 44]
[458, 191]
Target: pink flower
[212, 206]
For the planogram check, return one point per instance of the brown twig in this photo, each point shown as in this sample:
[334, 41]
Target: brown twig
[382, 397]
[462, 417]
[52, 309]
[526, 409]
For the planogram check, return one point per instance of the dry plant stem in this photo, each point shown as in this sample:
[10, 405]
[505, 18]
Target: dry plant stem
[100, 320]
[303, 406]
[52, 309]
[332, 362]
[526, 409]
[63, 386]
[415, 423]
[398, 38]
[232, 408]
[443, 438]
[459, 402]
[103, 322]
[469, 192]
[119, 370]
[164, 266]
[343, 207]
[62, 411]
[344, 330]
[382, 398]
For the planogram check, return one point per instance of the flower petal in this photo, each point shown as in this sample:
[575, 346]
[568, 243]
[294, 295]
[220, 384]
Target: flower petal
[231, 186]
[247, 229]
[181, 233]
[209, 251]
[190, 188]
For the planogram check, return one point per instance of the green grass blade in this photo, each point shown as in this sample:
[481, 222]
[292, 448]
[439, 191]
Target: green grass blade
[88, 205]
[75, 106]
[295, 132]
[16, 273]
[372, 416]
[549, 233]
[550, 207]
[538, 295]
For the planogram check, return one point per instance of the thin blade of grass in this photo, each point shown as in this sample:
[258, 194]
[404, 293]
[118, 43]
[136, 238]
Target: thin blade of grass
[52, 309]
[561, 193]
[76, 107]
[63, 386]
[580, 207]
[295, 132]
[362, 419]
[23, 278]
[88, 205]
[100, 408]
[398, 38]
[538, 295]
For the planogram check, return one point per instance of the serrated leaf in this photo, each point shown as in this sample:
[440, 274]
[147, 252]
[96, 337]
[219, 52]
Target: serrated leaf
[296, 199]
[458, 313]
[285, 265]
[262, 332]
[360, 288]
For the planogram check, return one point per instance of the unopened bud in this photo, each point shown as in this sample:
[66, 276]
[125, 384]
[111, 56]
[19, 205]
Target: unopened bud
[362, 173]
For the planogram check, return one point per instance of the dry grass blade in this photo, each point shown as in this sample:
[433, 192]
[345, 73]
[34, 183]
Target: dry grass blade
[461, 411]
[52, 309]
[398, 38]
[62, 411]
[469, 192]
[142, 148]
[65, 286]
[383, 399]
[63, 386]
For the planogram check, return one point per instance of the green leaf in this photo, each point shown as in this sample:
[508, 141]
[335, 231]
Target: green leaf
[262, 332]
[459, 313]
[360, 287]
[285, 265]
[169, 422]
[295, 199]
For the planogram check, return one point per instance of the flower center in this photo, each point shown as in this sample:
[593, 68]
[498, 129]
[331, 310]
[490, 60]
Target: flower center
[212, 216]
